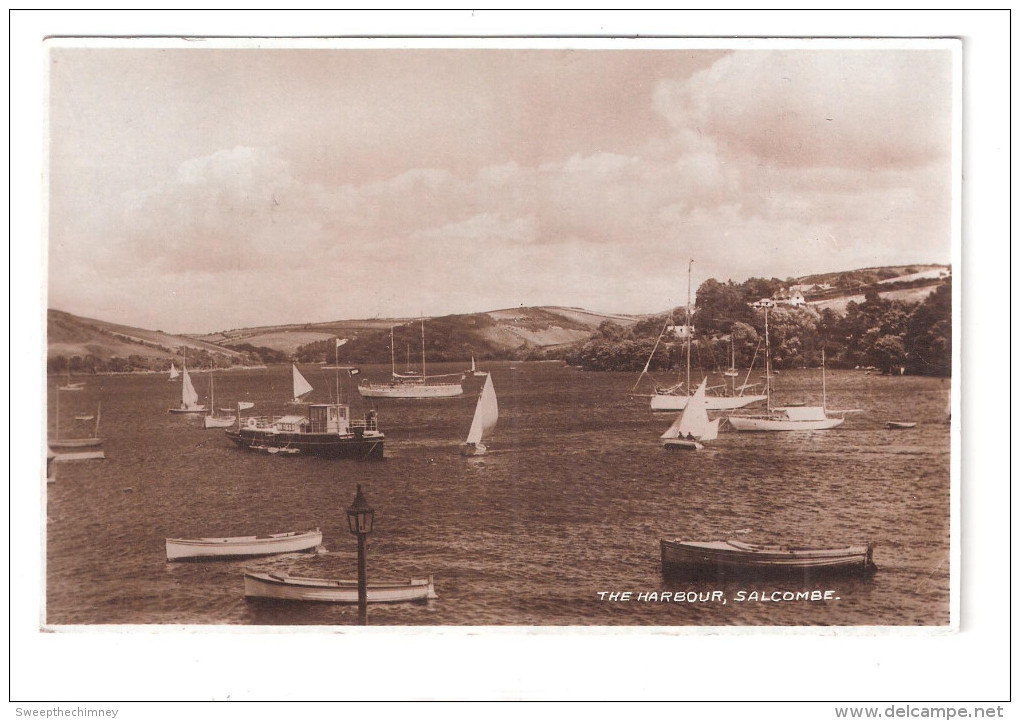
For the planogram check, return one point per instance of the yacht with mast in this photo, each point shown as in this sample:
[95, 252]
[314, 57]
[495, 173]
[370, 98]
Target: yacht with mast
[676, 397]
[413, 385]
[785, 418]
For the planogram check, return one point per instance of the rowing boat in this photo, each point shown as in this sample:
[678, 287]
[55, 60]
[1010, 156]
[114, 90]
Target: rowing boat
[241, 546]
[735, 558]
[282, 586]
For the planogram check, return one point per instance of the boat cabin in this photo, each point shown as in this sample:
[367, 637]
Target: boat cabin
[804, 413]
[290, 424]
[328, 418]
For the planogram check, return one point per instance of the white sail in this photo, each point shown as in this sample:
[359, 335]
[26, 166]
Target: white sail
[174, 374]
[486, 413]
[189, 397]
[712, 431]
[693, 421]
[301, 386]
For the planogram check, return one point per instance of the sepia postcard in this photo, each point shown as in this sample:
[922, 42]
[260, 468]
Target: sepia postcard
[567, 336]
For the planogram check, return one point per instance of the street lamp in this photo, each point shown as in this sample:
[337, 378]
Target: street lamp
[360, 517]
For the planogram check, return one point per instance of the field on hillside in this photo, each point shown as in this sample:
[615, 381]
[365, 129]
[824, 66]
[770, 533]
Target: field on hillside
[910, 295]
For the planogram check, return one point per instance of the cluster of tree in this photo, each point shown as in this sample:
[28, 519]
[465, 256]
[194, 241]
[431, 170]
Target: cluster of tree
[447, 339]
[887, 334]
[90, 364]
[257, 354]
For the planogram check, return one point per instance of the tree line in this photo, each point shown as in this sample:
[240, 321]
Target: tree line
[891, 335]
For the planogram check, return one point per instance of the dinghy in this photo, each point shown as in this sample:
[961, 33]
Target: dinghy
[82, 442]
[692, 425]
[189, 396]
[712, 559]
[241, 546]
[283, 586]
[899, 425]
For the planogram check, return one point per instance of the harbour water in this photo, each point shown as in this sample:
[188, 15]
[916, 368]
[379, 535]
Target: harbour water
[570, 501]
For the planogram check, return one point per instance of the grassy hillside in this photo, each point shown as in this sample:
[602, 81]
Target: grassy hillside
[71, 335]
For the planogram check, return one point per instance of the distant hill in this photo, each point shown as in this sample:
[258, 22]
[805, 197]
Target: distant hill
[71, 335]
[495, 333]
[503, 333]
[910, 283]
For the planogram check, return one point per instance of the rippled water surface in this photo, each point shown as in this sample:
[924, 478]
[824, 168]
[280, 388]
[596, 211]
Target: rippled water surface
[571, 500]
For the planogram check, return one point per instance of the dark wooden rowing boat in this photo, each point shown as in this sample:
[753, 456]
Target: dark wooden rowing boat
[714, 559]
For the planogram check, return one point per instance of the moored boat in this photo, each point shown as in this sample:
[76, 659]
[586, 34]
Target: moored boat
[326, 430]
[82, 442]
[211, 421]
[285, 587]
[713, 559]
[241, 546]
[79, 456]
[792, 417]
[676, 397]
[899, 425]
[405, 385]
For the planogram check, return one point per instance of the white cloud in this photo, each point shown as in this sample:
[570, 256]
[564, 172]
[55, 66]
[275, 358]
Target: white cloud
[867, 108]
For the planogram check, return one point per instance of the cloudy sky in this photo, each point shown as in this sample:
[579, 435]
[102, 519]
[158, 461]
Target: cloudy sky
[197, 189]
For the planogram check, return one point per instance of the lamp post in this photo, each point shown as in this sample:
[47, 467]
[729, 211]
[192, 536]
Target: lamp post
[360, 517]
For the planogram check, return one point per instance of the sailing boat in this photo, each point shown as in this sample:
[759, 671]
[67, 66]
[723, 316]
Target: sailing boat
[72, 386]
[692, 425]
[732, 371]
[301, 386]
[59, 443]
[174, 373]
[403, 385]
[212, 421]
[189, 397]
[474, 370]
[675, 398]
[486, 415]
[785, 418]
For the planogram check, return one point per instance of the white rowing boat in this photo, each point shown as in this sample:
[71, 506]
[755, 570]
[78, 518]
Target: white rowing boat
[242, 546]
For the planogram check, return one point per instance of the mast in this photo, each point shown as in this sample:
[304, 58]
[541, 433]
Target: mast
[823, 378]
[423, 350]
[768, 363]
[99, 411]
[393, 362]
[58, 411]
[690, 328]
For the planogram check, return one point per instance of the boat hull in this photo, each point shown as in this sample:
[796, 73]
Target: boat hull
[365, 446]
[681, 444]
[75, 443]
[713, 559]
[195, 409]
[473, 449]
[322, 590]
[410, 390]
[220, 422]
[79, 456]
[178, 549]
[667, 402]
[899, 425]
[781, 424]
